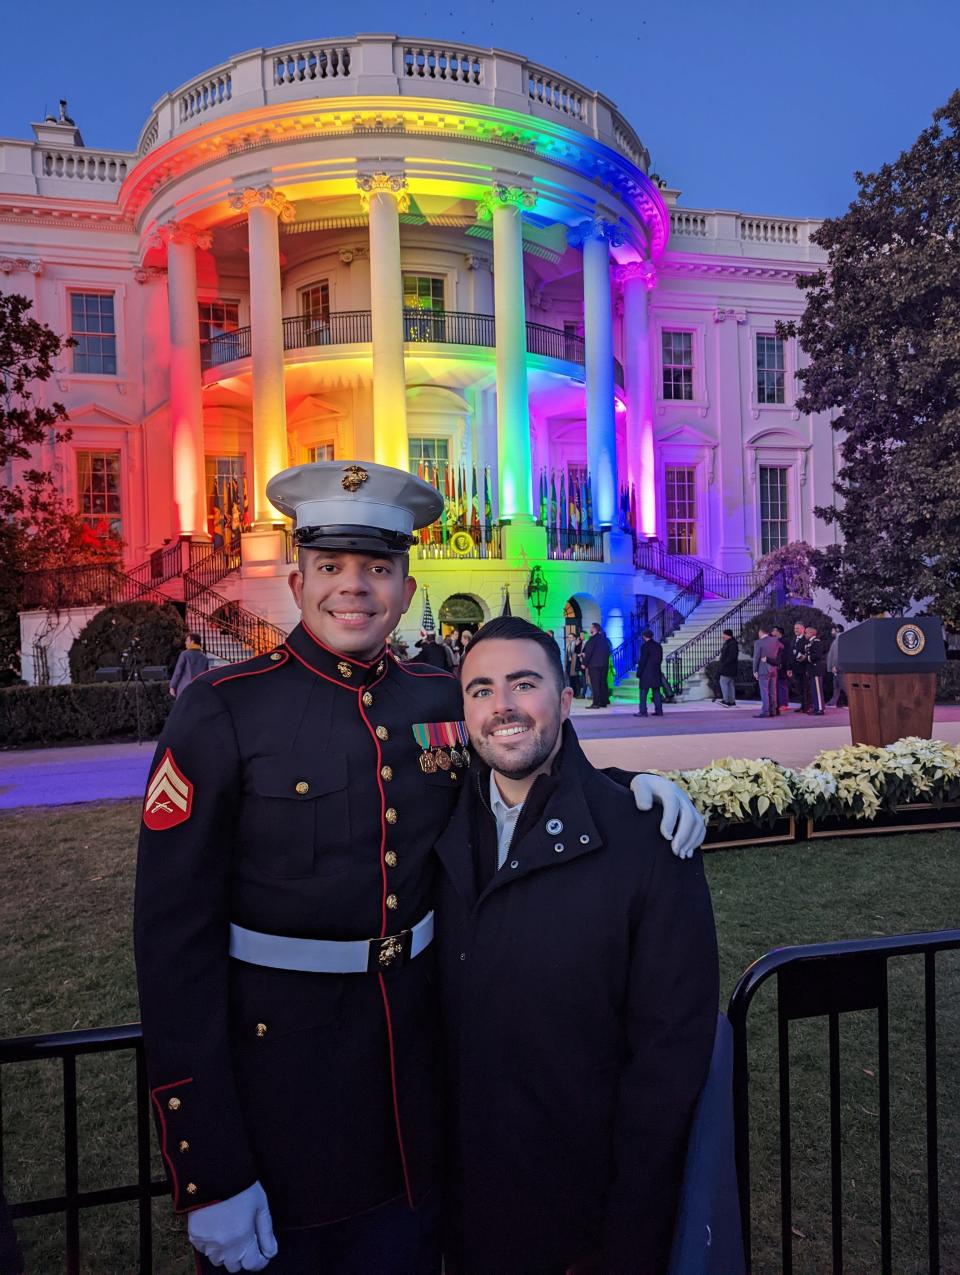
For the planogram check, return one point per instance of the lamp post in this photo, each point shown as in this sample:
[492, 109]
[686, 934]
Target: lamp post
[537, 591]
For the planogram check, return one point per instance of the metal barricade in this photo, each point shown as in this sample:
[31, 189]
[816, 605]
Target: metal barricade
[68, 1047]
[827, 980]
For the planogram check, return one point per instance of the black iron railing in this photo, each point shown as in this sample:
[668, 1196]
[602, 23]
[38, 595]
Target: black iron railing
[828, 980]
[98, 585]
[227, 630]
[696, 654]
[68, 1047]
[678, 568]
[567, 545]
[476, 545]
[440, 327]
[668, 618]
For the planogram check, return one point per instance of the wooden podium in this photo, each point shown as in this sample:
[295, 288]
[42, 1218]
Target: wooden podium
[890, 675]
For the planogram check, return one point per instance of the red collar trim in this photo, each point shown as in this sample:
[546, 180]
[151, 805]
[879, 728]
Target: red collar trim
[339, 655]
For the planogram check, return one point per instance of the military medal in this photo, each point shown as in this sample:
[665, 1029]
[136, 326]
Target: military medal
[422, 734]
[464, 739]
[439, 745]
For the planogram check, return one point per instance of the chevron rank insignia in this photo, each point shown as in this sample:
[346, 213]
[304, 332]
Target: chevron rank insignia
[169, 797]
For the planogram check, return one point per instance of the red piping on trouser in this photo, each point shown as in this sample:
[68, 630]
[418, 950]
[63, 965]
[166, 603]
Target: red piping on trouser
[393, 1086]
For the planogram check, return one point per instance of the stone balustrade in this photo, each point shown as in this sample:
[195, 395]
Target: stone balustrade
[81, 165]
[386, 66]
[740, 234]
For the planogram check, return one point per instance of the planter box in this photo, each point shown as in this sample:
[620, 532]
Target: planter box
[913, 817]
[751, 834]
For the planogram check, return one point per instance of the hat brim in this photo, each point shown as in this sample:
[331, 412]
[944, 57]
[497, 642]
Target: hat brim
[351, 539]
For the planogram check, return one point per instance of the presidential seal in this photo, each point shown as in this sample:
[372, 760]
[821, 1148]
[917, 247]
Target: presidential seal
[911, 639]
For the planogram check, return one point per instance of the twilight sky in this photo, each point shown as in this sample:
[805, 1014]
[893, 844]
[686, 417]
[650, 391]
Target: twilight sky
[758, 107]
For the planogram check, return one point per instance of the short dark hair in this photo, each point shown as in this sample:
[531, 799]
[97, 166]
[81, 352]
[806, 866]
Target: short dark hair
[727, 633]
[647, 633]
[512, 628]
[195, 637]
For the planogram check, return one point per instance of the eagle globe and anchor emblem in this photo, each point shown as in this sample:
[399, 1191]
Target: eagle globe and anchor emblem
[911, 639]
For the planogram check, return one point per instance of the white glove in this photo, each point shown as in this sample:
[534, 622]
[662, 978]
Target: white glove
[235, 1233]
[681, 824]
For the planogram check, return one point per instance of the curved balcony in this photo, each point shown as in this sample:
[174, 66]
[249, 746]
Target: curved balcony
[447, 327]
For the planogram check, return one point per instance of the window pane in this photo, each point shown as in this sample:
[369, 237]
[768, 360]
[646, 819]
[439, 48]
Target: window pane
[677, 365]
[423, 292]
[774, 507]
[681, 507]
[770, 370]
[92, 327]
[98, 489]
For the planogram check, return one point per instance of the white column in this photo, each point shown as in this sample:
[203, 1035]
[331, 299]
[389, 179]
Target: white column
[186, 404]
[504, 205]
[638, 279]
[732, 553]
[596, 237]
[266, 208]
[384, 197]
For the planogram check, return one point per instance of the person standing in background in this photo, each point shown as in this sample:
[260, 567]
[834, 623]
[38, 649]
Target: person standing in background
[813, 669]
[796, 665]
[833, 668]
[767, 652]
[596, 658]
[191, 662]
[650, 673]
[783, 675]
[729, 662]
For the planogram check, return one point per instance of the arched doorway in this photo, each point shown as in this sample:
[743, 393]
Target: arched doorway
[460, 611]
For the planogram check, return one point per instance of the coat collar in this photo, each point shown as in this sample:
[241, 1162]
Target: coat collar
[343, 670]
[564, 830]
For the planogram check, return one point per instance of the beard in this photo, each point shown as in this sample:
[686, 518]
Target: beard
[517, 760]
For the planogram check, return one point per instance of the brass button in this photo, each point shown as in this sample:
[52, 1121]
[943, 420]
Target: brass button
[276, 656]
[391, 815]
[302, 787]
[380, 667]
[173, 1104]
[392, 902]
[191, 1188]
[386, 772]
[367, 699]
[261, 1030]
[390, 858]
[382, 732]
[184, 1145]
[453, 774]
[344, 669]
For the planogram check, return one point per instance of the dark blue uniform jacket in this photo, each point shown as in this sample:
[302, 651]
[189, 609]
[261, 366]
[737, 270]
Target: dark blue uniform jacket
[309, 816]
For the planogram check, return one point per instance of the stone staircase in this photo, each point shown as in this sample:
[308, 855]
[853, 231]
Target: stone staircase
[627, 691]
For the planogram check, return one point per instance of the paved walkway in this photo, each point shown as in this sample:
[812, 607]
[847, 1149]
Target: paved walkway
[686, 736]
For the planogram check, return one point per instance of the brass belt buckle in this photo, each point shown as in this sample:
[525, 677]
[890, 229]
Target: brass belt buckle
[389, 953]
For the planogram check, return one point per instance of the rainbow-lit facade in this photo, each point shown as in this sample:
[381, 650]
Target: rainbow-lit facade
[435, 256]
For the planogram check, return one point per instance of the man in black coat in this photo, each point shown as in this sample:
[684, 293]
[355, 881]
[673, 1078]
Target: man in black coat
[727, 672]
[579, 982]
[796, 665]
[596, 661]
[650, 673]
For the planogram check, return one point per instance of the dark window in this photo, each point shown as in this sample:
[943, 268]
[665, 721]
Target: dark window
[681, 493]
[677, 364]
[422, 292]
[433, 454]
[217, 318]
[93, 328]
[770, 370]
[774, 507]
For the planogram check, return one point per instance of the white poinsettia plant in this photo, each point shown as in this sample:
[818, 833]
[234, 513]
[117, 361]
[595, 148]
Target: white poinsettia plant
[853, 782]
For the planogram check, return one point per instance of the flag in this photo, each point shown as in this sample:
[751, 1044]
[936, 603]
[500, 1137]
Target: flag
[487, 506]
[553, 499]
[427, 622]
[573, 495]
[246, 503]
[564, 509]
[633, 508]
[474, 508]
[543, 497]
[505, 609]
[217, 517]
[589, 503]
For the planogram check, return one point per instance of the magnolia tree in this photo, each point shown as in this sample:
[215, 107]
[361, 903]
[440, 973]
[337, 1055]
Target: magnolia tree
[881, 331]
[38, 529]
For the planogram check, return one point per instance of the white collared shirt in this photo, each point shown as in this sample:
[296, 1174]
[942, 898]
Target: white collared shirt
[506, 817]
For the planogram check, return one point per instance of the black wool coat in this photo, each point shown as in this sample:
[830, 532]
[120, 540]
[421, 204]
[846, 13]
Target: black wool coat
[580, 989]
[650, 663]
[596, 652]
[729, 658]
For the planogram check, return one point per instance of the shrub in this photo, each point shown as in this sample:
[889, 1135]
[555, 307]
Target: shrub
[154, 633]
[745, 685]
[57, 714]
[794, 561]
[787, 617]
[948, 683]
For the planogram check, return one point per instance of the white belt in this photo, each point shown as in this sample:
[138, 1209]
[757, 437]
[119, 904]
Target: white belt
[331, 956]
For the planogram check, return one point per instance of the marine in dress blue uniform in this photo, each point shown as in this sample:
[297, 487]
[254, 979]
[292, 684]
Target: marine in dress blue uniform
[288, 801]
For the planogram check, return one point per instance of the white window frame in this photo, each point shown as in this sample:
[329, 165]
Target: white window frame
[665, 322]
[63, 290]
[789, 371]
[700, 458]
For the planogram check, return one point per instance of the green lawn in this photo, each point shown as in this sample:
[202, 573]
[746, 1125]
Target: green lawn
[66, 958]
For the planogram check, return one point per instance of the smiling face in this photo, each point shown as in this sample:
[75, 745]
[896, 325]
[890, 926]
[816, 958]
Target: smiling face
[351, 601]
[513, 707]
